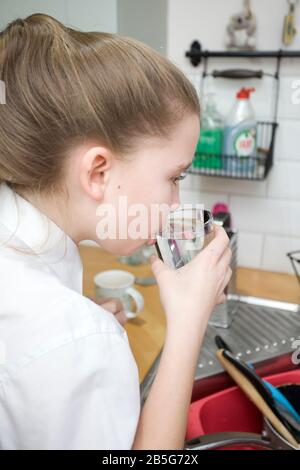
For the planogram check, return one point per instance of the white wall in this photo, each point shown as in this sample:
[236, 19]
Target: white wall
[89, 15]
[136, 18]
[267, 214]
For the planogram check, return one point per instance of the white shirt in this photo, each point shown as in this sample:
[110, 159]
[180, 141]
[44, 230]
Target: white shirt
[68, 378]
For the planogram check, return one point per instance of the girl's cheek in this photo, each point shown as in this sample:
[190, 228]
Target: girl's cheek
[175, 194]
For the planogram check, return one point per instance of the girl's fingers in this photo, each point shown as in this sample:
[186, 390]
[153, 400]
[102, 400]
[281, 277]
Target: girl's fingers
[121, 317]
[218, 245]
[112, 305]
[224, 261]
[158, 266]
[101, 300]
[221, 299]
[226, 279]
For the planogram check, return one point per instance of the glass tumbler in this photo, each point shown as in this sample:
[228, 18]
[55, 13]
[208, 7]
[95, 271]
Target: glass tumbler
[188, 230]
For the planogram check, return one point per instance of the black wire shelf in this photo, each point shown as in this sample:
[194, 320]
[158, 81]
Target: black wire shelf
[256, 167]
[294, 257]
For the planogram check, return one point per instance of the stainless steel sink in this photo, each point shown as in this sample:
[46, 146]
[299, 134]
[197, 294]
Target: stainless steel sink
[262, 332]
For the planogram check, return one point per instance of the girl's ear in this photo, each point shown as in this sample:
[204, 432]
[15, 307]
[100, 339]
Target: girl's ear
[94, 171]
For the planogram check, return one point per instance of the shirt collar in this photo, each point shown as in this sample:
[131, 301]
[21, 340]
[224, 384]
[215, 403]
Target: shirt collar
[41, 236]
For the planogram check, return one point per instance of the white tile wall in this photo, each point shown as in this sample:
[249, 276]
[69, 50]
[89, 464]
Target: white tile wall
[199, 184]
[267, 214]
[208, 199]
[252, 257]
[274, 254]
[284, 181]
[288, 109]
[287, 141]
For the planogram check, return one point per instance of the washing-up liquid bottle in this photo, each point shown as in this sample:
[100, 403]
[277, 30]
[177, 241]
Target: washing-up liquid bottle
[209, 147]
[240, 134]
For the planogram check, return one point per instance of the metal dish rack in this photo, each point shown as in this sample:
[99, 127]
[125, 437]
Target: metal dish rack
[294, 257]
[263, 332]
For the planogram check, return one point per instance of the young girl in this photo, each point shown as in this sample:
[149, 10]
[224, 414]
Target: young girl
[90, 117]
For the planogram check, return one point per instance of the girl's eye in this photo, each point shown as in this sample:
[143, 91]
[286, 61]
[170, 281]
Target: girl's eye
[179, 178]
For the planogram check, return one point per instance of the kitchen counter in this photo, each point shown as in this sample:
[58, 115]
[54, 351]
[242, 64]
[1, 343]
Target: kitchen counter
[147, 332]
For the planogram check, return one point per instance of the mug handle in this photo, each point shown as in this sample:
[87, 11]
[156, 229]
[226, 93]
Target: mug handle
[138, 299]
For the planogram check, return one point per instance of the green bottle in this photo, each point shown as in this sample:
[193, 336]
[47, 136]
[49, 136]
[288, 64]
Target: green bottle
[209, 148]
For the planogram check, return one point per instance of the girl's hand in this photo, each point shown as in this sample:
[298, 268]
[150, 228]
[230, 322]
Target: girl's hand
[189, 294]
[114, 306]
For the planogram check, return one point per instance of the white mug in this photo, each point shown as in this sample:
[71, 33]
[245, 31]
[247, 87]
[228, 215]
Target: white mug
[118, 284]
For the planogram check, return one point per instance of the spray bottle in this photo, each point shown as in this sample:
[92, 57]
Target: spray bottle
[240, 135]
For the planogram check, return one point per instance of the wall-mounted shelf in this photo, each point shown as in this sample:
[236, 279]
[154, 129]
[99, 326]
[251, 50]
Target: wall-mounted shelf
[255, 168]
[196, 54]
[259, 165]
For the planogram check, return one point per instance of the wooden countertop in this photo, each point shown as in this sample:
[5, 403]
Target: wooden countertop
[147, 332]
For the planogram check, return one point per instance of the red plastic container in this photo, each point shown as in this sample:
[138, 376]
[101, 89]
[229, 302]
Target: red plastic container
[231, 410]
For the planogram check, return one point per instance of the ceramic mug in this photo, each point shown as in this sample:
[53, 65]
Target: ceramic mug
[118, 284]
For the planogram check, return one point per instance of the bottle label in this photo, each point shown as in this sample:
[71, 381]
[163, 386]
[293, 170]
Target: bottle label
[210, 141]
[209, 149]
[245, 143]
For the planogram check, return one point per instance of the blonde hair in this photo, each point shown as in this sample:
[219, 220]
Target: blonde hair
[64, 86]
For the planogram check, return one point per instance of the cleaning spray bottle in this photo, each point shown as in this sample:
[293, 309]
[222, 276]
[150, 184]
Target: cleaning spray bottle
[240, 135]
